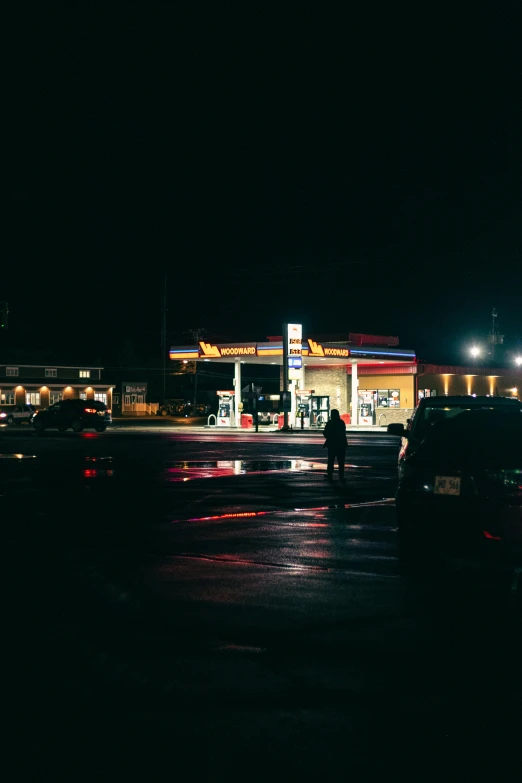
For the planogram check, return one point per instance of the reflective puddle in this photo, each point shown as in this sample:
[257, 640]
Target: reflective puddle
[98, 467]
[187, 470]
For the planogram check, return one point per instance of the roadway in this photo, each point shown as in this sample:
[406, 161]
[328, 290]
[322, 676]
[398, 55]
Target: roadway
[210, 599]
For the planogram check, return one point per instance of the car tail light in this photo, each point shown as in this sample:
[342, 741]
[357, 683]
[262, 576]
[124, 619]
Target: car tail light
[109, 410]
[91, 410]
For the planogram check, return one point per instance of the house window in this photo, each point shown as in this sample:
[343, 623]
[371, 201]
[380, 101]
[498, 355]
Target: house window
[101, 397]
[7, 398]
[11, 371]
[32, 398]
[85, 373]
[54, 397]
[50, 373]
[83, 395]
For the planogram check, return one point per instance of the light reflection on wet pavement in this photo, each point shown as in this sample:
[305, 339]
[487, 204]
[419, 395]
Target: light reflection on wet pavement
[194, 469]
[143, 585]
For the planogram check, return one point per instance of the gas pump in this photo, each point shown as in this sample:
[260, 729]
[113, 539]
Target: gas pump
[303, 400]
[225, 417]
[366, 409]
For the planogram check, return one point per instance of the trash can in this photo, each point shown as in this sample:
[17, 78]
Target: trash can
[346, 418]
[247, 421]
[280, 421]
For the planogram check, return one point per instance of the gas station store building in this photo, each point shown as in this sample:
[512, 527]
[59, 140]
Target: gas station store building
[368, 378]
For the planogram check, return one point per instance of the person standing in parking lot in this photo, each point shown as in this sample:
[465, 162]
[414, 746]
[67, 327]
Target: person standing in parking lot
[335, 435]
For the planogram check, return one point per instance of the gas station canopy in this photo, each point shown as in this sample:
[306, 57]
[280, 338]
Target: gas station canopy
[272, 353]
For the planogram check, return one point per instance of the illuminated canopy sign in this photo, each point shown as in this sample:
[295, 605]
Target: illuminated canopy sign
[239, 350]
[337, 351]
[293, 343]
[233, 349]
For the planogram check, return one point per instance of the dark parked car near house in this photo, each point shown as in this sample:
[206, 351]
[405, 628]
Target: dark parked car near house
[75, 414]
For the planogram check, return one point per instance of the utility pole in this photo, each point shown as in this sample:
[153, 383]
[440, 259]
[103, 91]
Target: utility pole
[164, 336]
[285, 374]
[494, 338]
[196, 334]
[4, 315]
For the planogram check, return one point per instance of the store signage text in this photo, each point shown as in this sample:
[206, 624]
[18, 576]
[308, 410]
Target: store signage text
[243, 350]
[218, 351]
[336, 351]
[136, 389]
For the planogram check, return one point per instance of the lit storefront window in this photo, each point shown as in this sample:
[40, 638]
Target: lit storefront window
[427, 393]
[388, 398]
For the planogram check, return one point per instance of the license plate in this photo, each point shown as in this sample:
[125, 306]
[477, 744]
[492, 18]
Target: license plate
[447, 485]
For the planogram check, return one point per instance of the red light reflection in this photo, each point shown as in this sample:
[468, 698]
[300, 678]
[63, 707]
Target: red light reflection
[489, 535]
[229, 516]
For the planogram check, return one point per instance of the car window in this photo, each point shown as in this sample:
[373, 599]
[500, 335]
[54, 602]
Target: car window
[99, 406]
[430, 415]
[476, 437]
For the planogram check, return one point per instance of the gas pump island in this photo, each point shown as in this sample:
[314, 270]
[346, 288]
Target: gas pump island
[298, 406]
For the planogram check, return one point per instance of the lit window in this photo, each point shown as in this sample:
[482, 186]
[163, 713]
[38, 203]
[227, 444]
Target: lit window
[83, 395]
[50, 373]
[32, 398]
[101, 397]
[427, 393]
[54, 397]
[12, 371]
[85, 374]
[7, 398]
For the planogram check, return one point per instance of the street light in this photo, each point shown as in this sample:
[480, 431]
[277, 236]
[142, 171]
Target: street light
[474, 351]
[518, 360]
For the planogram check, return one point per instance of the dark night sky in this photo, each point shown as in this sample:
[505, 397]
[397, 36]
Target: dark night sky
[354, 174]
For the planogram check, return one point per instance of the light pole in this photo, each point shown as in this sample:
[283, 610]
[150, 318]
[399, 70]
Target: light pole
[164, 336]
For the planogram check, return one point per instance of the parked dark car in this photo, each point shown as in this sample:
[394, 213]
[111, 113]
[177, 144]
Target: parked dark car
[461, 491]
[433, 409]
[171, 407]
[75, 414]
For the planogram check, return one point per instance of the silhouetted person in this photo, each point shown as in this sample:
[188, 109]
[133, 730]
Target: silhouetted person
[335, 434]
